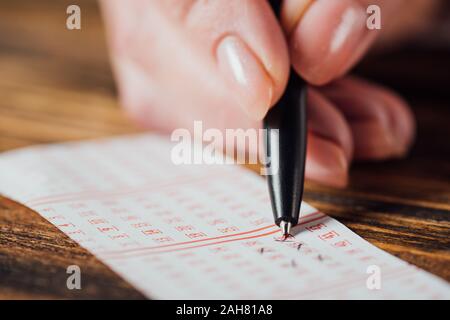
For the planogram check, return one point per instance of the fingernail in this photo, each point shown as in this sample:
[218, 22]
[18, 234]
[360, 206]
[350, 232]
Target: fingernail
[403, 122]
[327, 38]
[402, 148]
[326, 162]
[374, 141]
[246, 75]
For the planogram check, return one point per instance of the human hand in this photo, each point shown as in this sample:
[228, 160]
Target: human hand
[227, 62]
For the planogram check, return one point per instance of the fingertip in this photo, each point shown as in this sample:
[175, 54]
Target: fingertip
[374, 141]
[374, 110]
[321, 52]
[404, 123]
[254, 55]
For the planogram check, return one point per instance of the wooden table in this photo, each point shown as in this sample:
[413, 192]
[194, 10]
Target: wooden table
[56, 85]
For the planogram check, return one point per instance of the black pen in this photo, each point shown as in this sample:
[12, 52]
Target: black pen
[286, 135]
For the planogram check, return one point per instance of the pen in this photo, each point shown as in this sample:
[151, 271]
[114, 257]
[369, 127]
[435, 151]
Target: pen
[285, 143]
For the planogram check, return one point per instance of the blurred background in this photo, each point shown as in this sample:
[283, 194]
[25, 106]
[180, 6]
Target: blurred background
[55, 84]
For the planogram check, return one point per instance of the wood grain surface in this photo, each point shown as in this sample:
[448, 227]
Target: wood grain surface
[56, 85]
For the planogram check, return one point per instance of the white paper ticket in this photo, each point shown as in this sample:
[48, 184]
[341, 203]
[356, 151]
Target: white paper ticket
[198, 231]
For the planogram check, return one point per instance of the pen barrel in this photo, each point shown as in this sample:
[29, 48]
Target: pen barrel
[285, 142]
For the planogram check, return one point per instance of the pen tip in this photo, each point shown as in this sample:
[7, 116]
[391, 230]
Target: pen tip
[285, 229]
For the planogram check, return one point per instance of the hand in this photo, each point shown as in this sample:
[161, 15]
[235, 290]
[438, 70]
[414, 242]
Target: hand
[226, 62]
